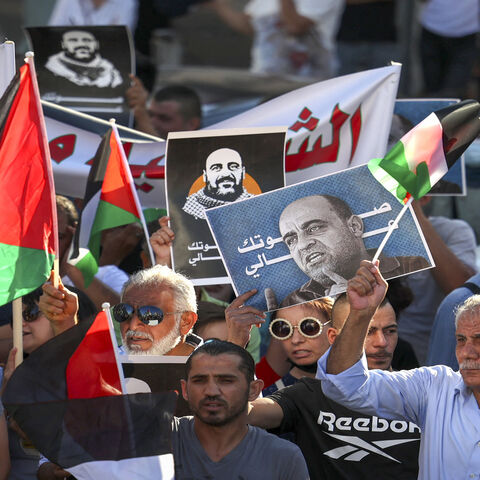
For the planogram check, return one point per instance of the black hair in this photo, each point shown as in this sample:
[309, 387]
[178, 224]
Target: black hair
[190, 106]
[208, 312]
[217, 347]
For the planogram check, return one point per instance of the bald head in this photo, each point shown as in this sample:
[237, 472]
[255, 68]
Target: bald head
[224, 174]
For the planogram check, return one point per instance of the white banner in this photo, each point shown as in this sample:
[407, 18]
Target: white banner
[332, 125]
[7, 64]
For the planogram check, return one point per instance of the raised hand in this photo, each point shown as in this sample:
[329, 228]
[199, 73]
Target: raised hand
[240, 319]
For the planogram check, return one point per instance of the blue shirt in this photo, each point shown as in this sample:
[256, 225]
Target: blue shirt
[442, 338]
[434, 398]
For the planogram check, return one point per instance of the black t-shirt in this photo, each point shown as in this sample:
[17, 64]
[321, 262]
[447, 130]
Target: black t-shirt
[338, 443]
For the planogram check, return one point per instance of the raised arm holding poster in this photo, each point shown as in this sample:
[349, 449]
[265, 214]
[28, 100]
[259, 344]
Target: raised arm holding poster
[306, 240]
[212, 168]
[85, 68]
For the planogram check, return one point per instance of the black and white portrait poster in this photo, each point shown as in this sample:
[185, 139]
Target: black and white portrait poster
[306, 240]
[155, 373]
[206, 169]
[85, 68]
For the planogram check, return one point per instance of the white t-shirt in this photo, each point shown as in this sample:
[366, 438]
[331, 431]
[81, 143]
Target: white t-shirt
[83, 12]
[274, 51]
[451, 18]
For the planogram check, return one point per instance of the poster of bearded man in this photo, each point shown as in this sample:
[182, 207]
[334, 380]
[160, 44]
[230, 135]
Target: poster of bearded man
[206, 169]
[85, 68]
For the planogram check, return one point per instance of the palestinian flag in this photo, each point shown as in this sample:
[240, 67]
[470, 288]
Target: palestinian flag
[424, 155]
[66, 396]
[110, 201]
[28, 227]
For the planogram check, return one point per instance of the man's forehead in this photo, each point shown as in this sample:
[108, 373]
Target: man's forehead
[223, 156]
[304, 211]
[78, 34]
[225, 363]
[152, 295]
[468, 323]
[384, 316]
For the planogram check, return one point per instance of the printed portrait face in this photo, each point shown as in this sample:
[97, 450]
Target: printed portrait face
[321, 238]
[224, 174]
[79, 45]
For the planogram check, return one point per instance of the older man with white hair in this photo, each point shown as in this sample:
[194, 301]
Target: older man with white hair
[442, 402]
[157, 311]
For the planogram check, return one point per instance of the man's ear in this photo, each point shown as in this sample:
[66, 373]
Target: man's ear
[205, 177]
[184, 389]
[187, 322]
[256, 386]
[355, 224]
[332, 334]
[193, 123]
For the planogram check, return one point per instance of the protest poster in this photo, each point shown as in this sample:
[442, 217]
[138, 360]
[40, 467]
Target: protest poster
[306, 240]
[156, 374]
[85, 68]
[209, 168]
[410, 112]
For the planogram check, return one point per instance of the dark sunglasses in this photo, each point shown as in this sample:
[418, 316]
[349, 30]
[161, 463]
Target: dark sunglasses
[309, 327]
[30, 313]
[147, 314]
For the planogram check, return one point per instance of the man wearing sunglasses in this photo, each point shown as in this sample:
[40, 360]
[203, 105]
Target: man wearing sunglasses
[157, 311]
[335, 441]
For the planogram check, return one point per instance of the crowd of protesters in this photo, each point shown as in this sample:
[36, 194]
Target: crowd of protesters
[349, 386]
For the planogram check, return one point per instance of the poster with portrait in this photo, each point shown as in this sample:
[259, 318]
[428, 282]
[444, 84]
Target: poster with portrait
[85, 68]
[410, 112]
[155, 373]
[305, 241]
[205, 169]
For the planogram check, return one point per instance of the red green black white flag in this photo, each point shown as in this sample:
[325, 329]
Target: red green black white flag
[66, 396]
[110, 201]
[28, 230]
[425, 153]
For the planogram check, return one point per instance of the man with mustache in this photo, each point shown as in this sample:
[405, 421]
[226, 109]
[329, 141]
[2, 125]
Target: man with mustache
[81, 63]
[325, 240]
[223, 176]
[156, 314]
[444, 403]
[216, 442]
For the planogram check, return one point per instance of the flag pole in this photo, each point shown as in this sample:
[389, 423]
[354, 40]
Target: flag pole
[135, 196]
[56, 264]
[17, 330]
[392, 227]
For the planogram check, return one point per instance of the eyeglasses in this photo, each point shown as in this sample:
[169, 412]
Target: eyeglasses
[309, 327]
[147, 314]
[30, 313]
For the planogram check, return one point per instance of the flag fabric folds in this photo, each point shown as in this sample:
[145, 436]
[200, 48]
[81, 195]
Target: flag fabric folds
[424, 155]
[110, 201]
[66, 396]
[28, 210]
